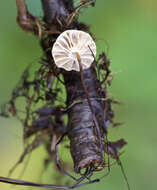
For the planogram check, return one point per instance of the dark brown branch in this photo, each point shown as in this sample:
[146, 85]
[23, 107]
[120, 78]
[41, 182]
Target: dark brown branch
[55, 11]
[25, 20]
[84, 134]
[88, 107]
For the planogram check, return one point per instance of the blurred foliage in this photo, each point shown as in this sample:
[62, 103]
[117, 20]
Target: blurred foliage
[127, 30]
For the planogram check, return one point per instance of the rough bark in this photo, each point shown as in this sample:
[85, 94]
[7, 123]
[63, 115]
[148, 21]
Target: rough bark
[84, 141]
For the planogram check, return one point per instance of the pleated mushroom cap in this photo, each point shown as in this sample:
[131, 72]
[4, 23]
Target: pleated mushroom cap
[71, 43]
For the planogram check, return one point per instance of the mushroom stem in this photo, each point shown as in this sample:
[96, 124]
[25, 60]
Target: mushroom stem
[89, 103]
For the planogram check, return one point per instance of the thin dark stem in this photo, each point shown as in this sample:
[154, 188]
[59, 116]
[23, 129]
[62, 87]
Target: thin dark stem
[59, 166]
[27, 183]
[123, 172]
[90, 104]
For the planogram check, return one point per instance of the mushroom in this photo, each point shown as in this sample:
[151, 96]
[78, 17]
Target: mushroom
[72, 48]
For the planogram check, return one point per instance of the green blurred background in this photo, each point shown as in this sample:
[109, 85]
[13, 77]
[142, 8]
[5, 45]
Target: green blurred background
[127, 30]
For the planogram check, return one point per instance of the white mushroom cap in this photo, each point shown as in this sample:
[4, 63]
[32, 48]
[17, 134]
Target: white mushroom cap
[71, 43]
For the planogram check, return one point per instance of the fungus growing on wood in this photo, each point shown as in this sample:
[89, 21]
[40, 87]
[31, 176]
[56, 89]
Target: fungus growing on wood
[71, 47]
